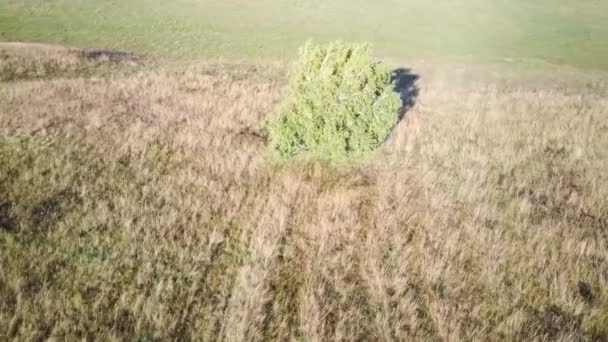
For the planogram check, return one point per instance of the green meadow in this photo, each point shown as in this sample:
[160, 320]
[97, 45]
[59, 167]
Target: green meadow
[554, 31]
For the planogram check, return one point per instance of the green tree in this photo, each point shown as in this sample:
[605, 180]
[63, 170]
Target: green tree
[341, 104]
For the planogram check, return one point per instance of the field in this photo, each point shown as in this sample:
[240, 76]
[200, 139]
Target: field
[520, 31]
[138, 202]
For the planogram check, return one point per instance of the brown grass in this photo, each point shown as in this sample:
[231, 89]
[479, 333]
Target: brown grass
[23, 61]
[144, 207]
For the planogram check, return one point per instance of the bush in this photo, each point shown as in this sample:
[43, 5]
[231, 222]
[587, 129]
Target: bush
[341, 104]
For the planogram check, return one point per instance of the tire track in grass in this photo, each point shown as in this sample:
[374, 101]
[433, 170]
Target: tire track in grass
[218, 326]
[282, 309]
[251, 310]
[219, 246]
[228, 248]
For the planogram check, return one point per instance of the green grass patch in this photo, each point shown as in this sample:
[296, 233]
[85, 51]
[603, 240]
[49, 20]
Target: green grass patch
[560, 31]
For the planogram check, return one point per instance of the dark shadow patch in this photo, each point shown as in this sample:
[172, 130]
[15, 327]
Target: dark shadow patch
[123, 323]
[551, 323]
[51, 209]
[252, 136]
[584, 290]
[405, 83]
[8, 298]
[556, 321]
[111, 55]
[7, 222]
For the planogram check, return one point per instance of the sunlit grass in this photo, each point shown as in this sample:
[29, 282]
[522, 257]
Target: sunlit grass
[563, 32]
[142, 206]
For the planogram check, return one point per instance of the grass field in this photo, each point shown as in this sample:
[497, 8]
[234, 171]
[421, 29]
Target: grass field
[556, 31]
[138, 202]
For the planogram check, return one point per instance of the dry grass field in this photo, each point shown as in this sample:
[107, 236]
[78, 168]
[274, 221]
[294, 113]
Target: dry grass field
[141, 205]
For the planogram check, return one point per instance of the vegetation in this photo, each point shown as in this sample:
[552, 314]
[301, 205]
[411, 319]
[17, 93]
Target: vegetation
[22, 61]
[512, 32]
[341, 104]
[139, 206]
[137, 202]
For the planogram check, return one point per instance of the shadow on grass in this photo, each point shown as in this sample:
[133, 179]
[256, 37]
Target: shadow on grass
[406, 87]
[111, 55]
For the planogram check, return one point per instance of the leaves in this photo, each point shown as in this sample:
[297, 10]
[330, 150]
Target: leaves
[341, 104]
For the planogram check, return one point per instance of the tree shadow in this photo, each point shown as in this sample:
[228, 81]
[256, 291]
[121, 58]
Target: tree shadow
[405, 85]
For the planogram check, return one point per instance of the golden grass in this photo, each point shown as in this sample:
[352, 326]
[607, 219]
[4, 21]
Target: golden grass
[143, 207]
